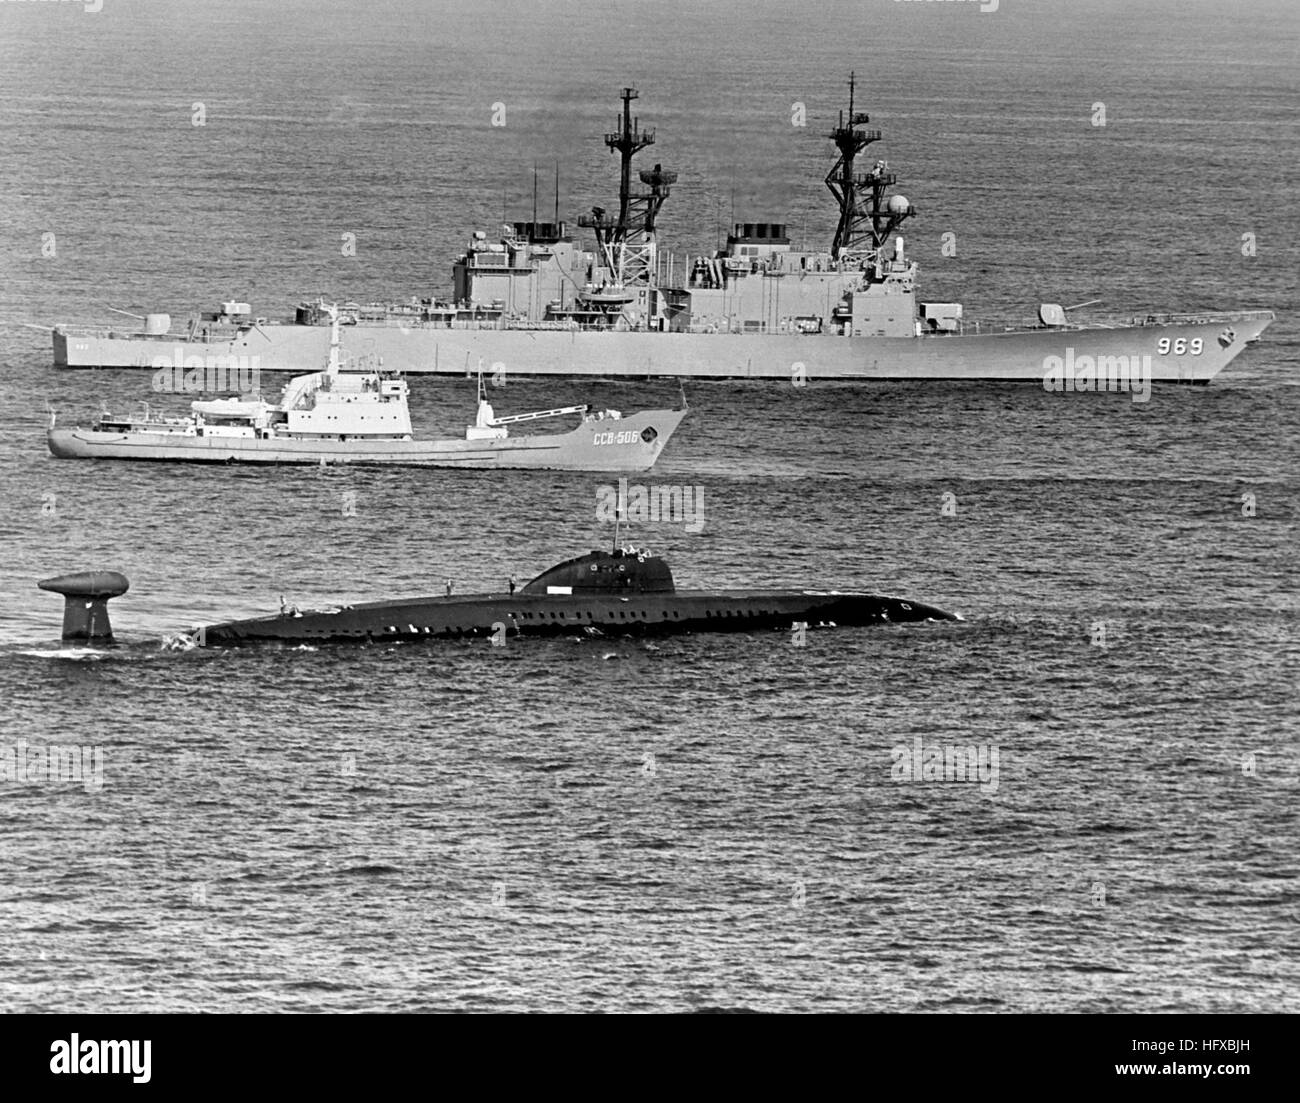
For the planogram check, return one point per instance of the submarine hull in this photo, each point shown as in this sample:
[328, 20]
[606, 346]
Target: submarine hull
[521, 614]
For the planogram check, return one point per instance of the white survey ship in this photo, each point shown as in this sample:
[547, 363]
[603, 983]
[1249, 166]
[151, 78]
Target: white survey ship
[334, 416]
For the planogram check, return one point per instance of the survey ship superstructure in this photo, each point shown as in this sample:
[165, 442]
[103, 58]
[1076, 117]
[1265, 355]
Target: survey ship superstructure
[541, 301]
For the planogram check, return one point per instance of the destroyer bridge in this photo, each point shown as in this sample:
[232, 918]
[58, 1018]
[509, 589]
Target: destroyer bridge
[538, 299]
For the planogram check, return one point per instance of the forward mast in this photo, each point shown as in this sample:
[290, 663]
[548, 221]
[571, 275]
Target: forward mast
[627, 240]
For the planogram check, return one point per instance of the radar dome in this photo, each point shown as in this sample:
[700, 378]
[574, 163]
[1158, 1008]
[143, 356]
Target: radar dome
[898, 204]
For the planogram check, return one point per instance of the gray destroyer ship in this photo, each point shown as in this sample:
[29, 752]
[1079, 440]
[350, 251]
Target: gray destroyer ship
[539, 301]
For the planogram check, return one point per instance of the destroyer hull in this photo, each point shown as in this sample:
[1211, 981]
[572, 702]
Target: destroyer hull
[508, 615]
[608, 445]
[1012, 356]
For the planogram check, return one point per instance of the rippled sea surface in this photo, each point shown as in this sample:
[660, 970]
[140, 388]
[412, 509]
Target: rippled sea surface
[705, 821]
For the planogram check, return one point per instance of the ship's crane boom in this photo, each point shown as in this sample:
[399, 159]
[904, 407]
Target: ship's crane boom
[513, 418]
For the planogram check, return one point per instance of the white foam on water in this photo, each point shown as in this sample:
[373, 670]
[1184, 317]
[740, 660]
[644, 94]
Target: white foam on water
[88, 653]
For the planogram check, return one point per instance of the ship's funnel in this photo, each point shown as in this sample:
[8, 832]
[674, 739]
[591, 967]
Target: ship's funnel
[85, 602]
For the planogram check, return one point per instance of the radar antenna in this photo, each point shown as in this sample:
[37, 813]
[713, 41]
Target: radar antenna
[867, 219]
[627, 240]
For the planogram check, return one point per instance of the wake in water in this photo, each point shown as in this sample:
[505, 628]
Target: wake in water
[78, 654]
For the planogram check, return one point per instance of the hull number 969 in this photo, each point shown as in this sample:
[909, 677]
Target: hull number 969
[1179, 345]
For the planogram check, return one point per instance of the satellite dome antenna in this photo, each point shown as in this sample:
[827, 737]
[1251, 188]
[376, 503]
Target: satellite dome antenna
[867, 218]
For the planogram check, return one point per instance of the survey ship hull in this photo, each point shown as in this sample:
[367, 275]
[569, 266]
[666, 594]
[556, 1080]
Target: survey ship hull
[630, 443]
[1014, 356]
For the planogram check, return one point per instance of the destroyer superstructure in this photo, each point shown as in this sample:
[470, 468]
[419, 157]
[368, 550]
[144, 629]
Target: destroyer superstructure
[539, 301]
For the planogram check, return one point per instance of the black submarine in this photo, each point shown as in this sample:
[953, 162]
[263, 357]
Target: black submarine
[622, 592]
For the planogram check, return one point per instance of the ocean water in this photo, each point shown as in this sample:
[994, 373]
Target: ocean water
[706, 821]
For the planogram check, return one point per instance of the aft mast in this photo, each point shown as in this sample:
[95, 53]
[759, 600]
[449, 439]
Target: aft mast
[867, 217]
